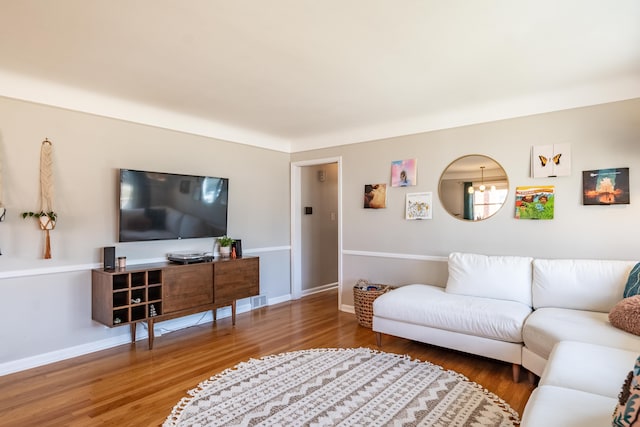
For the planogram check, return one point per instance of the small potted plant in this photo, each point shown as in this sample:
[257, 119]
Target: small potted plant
[225, 246]
[46, 220]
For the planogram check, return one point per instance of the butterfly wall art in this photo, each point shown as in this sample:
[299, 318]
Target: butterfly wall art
[550, 160]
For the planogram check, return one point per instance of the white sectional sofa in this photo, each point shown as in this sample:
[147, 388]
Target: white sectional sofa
[518, 309]
[579, 386]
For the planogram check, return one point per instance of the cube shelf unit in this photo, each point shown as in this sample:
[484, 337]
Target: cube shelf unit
[122, 297]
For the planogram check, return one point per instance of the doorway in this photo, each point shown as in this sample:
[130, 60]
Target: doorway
[316, 226]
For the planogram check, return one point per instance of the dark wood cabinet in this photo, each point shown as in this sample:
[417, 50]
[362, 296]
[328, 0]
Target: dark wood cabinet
[187, 286]
[233, 280]
[156, 292]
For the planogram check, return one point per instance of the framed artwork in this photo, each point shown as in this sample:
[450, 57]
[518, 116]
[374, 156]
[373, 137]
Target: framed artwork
[375, 196]
[606, 187]
[550, 160]
[535, 202]
[419, 206]
[403, 173]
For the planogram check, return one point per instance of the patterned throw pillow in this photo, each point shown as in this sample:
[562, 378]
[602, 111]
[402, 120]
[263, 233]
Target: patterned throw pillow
[633, 282]
[625, 315]
[628, 409]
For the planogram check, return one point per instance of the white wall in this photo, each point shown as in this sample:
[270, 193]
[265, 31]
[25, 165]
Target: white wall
[46, 304]
[381, 245]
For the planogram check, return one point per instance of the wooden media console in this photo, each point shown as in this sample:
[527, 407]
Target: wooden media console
[156, 292]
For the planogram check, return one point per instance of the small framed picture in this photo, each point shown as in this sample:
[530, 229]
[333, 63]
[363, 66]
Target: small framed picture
[605, 187]
[403, 173]
[419, 206]
[551, 160]
[535, 202]
[375, 196]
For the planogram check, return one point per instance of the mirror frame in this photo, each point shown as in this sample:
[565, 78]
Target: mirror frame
[489, 160]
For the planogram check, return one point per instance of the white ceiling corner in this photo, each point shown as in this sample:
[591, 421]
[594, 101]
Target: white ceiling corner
[294, 75]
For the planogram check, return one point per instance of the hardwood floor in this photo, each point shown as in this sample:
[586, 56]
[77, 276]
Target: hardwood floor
[132, 386]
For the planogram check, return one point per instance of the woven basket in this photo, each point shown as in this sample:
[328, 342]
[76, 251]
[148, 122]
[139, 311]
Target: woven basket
[363, 300]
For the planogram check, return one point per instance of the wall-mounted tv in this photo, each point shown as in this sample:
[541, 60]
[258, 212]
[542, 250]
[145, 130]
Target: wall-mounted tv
[164, 206]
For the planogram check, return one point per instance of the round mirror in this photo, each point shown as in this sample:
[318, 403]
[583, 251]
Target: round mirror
[473, 187]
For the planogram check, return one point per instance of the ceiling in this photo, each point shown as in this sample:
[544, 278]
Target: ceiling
[294, 75]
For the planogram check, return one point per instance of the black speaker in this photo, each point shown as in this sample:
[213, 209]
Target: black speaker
[109, 257]
[238, 247]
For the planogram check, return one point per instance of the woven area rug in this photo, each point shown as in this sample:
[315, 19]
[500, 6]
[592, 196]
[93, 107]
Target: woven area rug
[340, 387]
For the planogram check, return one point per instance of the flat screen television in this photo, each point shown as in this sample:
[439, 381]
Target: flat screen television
[164, 206]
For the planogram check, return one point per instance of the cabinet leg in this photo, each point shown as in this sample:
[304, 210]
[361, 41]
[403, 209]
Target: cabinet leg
[151, 333]
[132, 328]
[215, 314]
[233, 312]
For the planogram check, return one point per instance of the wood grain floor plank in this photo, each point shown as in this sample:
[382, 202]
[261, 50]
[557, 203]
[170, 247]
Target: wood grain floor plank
[130, 385]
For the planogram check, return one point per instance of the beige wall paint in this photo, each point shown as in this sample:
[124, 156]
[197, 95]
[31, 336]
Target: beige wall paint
[50, 311]
[377, 244]
[601, 136]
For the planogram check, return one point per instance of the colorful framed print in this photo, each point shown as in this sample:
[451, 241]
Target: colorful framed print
[535, 202]
[403, 173]
[606, 187]
[419, 206]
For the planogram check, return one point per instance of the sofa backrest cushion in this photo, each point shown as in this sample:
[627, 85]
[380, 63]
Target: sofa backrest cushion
[499, 277]
[579, 284]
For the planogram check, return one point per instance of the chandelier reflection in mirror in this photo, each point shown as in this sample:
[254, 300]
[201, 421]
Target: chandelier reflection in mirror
[469, 195]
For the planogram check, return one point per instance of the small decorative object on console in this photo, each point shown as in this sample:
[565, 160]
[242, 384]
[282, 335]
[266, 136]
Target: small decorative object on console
[188, 257]
[225, 243]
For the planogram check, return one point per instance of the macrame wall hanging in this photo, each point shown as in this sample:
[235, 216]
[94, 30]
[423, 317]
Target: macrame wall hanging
[46, 216]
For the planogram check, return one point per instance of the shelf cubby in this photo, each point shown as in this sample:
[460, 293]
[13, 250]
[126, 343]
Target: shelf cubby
[120, 298]
[138, 279]
[120, 281]
[158, 308]
[120, 316]
[154, 293]
[138, 312]
[154, 277]
[138, 296]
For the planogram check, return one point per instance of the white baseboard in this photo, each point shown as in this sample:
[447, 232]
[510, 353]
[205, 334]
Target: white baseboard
[348, 309]
[63, 354]
[318, 289]
[160, 328]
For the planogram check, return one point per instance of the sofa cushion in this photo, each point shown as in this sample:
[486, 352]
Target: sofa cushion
[633, 282]
[625, 315]
[499, 277]
[552, 406]
[594, 285]
[431, 306]
[588, 367]
[627, 412]
[547, 326]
